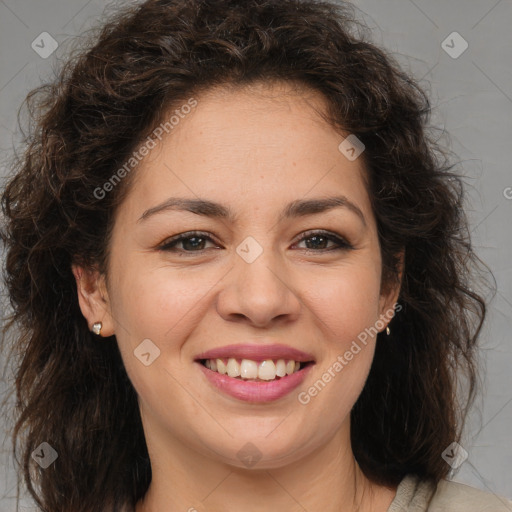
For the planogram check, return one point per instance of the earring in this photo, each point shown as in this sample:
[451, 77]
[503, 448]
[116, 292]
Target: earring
[96, 328]
[388, 330]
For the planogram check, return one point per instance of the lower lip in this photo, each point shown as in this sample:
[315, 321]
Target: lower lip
[256, 391]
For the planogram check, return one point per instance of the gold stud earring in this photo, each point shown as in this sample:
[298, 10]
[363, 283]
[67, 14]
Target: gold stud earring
[96, 328]
[388, 330]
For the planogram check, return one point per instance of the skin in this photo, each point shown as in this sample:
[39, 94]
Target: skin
[253, 149]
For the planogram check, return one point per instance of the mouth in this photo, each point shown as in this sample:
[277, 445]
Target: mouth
[255, 372]
[249, 370]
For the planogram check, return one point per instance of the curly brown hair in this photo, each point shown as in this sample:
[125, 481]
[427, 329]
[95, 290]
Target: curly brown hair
[106, 100]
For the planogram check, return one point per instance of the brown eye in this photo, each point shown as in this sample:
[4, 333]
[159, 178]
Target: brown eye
[190, 242]
[318, 241]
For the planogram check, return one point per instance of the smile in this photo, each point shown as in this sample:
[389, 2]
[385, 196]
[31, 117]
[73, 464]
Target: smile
[255, 372]
[249, 370]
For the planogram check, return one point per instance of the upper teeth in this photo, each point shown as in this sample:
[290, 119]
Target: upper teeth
[248, 369]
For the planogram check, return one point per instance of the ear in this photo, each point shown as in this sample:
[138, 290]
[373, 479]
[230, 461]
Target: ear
[93, 298]
[390, 292]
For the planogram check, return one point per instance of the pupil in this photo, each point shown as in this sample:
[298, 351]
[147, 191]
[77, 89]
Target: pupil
[316, 237]
[188, 245]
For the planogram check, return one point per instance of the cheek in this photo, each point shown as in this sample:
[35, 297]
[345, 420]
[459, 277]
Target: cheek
[165, 306]
[346, 300]
[346, 307]
[165, 309]
[160, 304]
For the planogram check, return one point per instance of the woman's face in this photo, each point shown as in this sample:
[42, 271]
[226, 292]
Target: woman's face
[287, 255]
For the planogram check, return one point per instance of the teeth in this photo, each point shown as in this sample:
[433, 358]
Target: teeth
[221, 367]
[281, 368]
[267, 370]
[233, 368]
[248, 369]
[252, 370]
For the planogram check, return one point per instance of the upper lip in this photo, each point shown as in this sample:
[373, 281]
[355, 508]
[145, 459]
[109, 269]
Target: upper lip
[256, 352]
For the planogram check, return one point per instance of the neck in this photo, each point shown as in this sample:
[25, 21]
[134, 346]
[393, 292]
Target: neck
[327, 479]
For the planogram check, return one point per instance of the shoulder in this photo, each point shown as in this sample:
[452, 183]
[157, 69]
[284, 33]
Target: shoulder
[456, 497]
[415, 495]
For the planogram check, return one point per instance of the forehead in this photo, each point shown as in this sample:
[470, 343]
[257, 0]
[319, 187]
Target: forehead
[266, 142]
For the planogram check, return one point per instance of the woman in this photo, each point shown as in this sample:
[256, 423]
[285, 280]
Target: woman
[240, 272]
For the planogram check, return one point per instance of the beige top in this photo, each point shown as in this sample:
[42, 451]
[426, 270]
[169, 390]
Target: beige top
[414, 495]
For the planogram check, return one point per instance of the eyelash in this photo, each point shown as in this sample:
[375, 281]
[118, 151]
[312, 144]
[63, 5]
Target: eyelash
[170, 244]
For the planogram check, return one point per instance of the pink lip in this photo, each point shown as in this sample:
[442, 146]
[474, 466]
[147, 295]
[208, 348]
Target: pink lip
[255, 391]
[256, 352]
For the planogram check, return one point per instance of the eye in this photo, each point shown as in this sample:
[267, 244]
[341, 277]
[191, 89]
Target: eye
[317, 241]
[193, 241]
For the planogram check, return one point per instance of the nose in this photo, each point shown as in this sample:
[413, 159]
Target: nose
[260, 293]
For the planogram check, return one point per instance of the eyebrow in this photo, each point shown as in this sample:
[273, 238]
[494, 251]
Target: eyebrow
[298, 208]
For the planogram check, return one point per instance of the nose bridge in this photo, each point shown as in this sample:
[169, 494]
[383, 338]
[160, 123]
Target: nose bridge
[260, 265]
[258, 287]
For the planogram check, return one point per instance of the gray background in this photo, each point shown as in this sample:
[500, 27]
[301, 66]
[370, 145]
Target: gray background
[472, 99]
